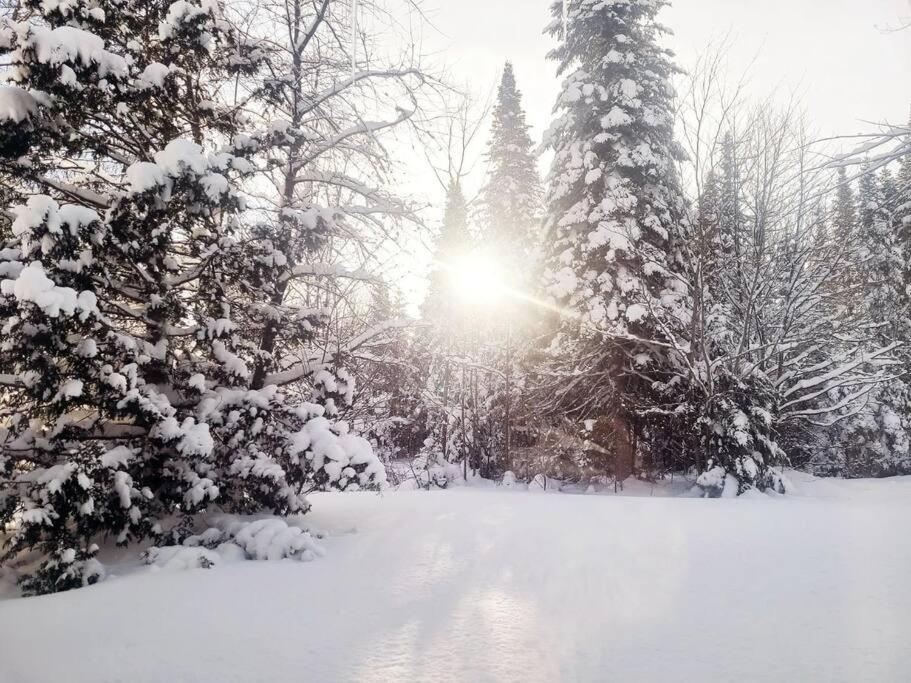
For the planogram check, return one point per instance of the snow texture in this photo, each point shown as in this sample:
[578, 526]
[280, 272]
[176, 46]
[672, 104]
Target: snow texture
[474, 585]
[16, 104]
[34, 286]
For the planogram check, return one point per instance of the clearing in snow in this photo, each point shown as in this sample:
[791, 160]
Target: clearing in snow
[498, 585]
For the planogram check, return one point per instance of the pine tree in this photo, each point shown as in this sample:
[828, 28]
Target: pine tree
[730, 222]
[709, 218]
[616, 214]
[453, 245]
[712, 249]
[876, 440]
[844, 220]
[902, 212]
[512, 195]
[849, 221]
[134, 293]
[903, 191]
[868, 204]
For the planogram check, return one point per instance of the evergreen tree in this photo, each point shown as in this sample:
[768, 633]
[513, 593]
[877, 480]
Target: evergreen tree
[616, 217]
[868, 204]
[512, 195]
[844, 220]
[902, 213]
[903, 191]
[709, 219]
[452, 248]
[874, 440]
[730, 221]
[848, 222]
[132, 297]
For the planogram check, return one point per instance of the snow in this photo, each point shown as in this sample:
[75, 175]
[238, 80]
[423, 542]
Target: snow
[180, 154]
[215, 185]
[34, 286]
[153, 76]
[273, 539]
[196, 439]
[496, 584]
[118, 456]
[16, 104]
[615, 118]
[635, 312]
[143, 176]
[232, 363]
[43, 210]
[70, 44]
[72, 388]
[179, 12]
[177, 557]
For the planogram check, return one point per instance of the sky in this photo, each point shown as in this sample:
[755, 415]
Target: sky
[838, 54]
[844, 58]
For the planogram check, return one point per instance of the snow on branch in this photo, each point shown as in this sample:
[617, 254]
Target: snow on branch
[308, 366]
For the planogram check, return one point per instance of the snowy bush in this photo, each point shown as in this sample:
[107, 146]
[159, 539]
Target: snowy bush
[872, 443]
[273, 539]
[740, 445]
[66, 568]
[178, 557]
[234, 539]
[429, 470]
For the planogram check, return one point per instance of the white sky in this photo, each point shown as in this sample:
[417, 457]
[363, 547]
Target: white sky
[838, 55]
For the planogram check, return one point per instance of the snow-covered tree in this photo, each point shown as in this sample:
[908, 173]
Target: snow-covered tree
[616, 219]
[512, 195]
[136, 292]
[844, 219]
[327, 119]
[784, 353]
[875, 439]
[453, 246]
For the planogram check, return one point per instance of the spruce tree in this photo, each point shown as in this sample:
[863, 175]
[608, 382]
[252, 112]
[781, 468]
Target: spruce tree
[844, 219]
[875, 441]
[848, 223]
[902, 212]
[730, 221]
[453, 246]
[132, 296]
[512, 195]
[616, 216]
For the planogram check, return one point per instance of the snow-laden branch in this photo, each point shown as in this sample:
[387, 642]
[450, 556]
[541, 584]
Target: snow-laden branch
[841, 370]
[307, 366]
[330, 270]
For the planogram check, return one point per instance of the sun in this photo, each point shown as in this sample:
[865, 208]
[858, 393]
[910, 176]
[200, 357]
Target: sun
[477, 279]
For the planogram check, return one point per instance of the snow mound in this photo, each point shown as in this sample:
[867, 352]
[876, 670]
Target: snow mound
[177, 557]
[235, 539]
[273, 539]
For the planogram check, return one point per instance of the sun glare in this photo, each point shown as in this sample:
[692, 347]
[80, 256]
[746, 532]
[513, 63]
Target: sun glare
[477, 279]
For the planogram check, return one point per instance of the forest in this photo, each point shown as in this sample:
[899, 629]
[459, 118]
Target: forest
[209, 328]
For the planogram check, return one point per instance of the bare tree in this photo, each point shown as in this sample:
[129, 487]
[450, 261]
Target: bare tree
[334, 99]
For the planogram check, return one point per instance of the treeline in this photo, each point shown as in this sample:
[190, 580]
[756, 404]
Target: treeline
[703, 287]
[199, 249]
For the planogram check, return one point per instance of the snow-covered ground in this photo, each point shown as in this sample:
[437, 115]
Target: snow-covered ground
[485, 585]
